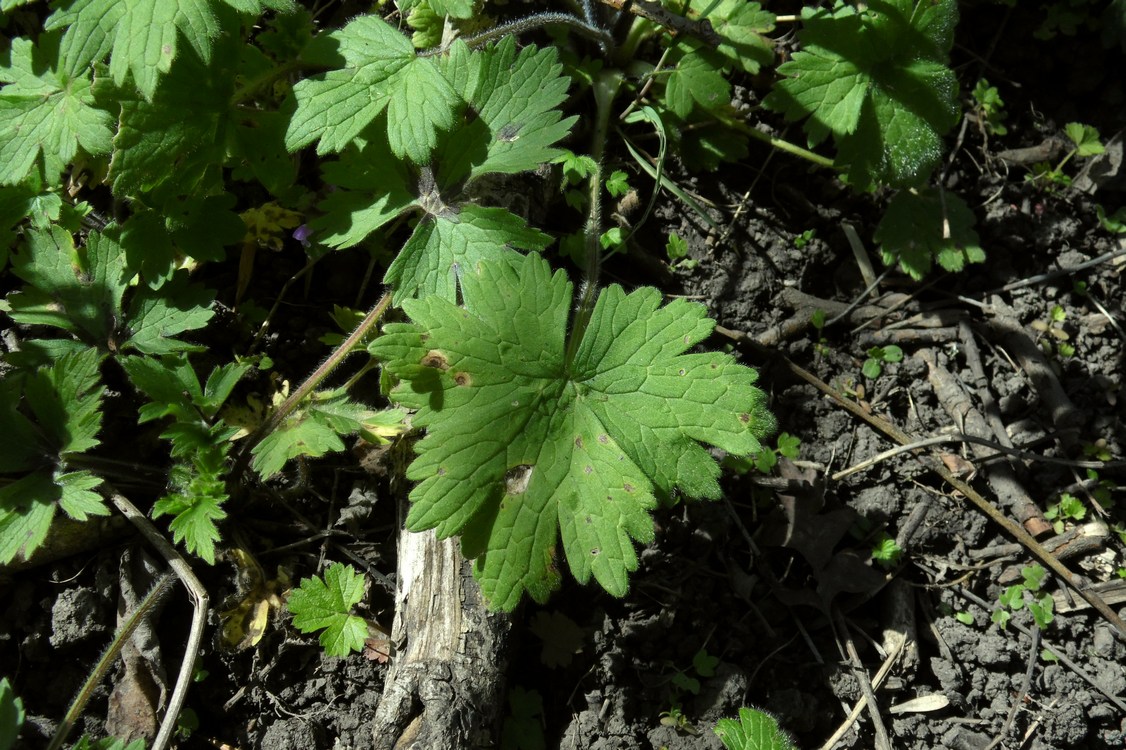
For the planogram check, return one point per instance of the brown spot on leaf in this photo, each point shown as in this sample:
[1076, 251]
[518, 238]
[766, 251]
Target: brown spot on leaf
[463, 379]
[604, 438]
[579, 441]
[588, 469]
[745, 418]
[596, 551]
[435, 359]
[627, 487]
[517, 478]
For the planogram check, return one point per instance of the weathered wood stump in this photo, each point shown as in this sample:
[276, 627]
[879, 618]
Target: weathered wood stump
[446, 682]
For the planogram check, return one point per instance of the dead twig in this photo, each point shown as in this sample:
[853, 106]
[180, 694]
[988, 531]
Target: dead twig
[1033, 652]
[959, 437]
[200, 600]
[1001, 476]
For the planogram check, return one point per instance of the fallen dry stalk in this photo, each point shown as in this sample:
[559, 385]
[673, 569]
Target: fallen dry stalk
[901, 437]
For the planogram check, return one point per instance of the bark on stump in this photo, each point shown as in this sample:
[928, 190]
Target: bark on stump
[446, 682]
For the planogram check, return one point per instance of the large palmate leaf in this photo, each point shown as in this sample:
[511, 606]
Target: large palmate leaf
[45, 113]
[141, 36]
[378, 71]
[877, 80]
[523, 444]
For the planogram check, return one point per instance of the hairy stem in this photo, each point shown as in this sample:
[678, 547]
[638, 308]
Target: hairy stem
[605, 89]
[123, 634]
[305, 389]
[522, 25]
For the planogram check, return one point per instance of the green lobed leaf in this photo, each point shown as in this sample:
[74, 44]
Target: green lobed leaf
[312, 431]
[380, 72]
[697, 80]
[913, 233]
[327, 604]
[521, 444]
[142, 36]
[445, 246]
[741, 25]
[877, 80]
[374, 189]
[199, 492]
[45, 113]
[27, 507]
[76, 289]
[754, 730]
[516, 96]
[155, 317]
[66, 399]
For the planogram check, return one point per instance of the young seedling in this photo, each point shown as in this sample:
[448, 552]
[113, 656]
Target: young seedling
[1057, 340]
[1026, 594]
[326, 604]
[886, 552]
[1085, 142]
[803, 239]
[878, 356]
[1069, 509]
[990, 107]
[678, 720]
[677, 250]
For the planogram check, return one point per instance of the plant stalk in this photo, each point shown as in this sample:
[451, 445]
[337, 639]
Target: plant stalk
[123, 634]
[605, 89]
[333, 361]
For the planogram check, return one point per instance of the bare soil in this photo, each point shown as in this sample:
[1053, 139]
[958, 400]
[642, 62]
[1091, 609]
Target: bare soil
[774, 585]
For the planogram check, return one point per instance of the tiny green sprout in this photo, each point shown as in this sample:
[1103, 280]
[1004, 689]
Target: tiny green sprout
[817, 320]
[886, 552]
[878, 355]
[1080, 288]
[187, 723]
[1048, 655]
[804, 238]
[611, 239]
[1097, 450]
[617, 184]
[1069, 508]
[1028, 593]
[788, 445]
[1085, 143]
[677, 250]
[1058, 314]
[766, 459]
[988, 102]
[964, 617]
[1115, 223]
[677, 719]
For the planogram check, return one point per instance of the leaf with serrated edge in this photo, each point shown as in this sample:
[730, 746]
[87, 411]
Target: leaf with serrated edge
[443, 247]
[374, 189]
[516, 96]
[877, 79]
[327, 605]
[536, 445]
[912, 231]
[754, 730]
[45, 113]
[142, 34]
[381, 71]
